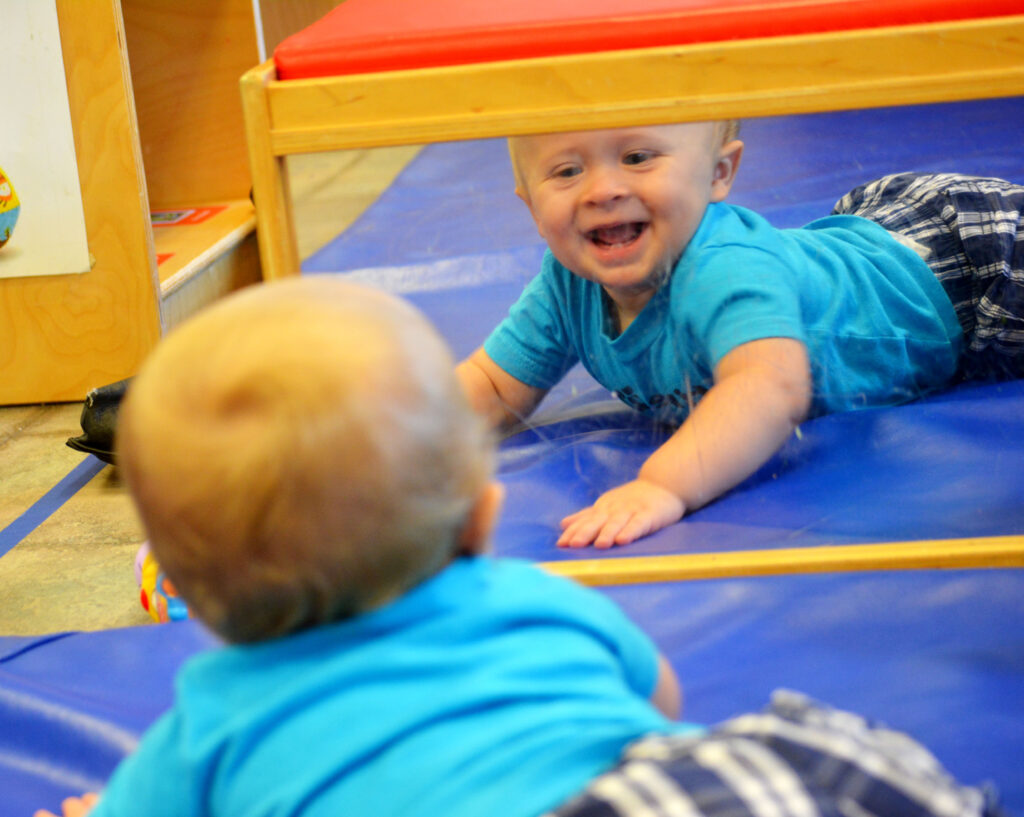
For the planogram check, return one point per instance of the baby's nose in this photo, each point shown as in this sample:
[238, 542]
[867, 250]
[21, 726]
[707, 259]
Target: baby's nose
[605, 184]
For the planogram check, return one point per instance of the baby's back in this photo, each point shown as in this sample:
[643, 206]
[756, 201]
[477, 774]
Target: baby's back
[491, 687]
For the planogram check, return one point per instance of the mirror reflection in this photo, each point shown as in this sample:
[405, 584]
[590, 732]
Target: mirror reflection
[714, 287]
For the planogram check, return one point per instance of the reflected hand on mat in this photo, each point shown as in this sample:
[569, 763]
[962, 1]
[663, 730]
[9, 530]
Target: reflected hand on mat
[622, 515]
[73, 806]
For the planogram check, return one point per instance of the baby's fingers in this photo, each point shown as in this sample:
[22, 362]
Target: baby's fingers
[611, 532]
[581, 529]
[596, 527]
[73, 806]
[635, 528]
[574, 517]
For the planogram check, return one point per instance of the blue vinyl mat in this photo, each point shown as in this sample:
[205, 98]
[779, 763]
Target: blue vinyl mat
[939, 654]
[949, 467]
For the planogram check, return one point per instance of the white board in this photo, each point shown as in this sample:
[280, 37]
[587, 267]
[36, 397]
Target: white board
[37, 149]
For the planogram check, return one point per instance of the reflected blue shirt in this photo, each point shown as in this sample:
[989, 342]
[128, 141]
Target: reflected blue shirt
[878, 326]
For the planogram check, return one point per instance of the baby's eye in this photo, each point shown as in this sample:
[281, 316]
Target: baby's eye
[637, 157]
[565, 171]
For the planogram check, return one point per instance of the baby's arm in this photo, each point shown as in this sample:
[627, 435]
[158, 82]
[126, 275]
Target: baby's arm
[503, 399]
[73, 806]
[762, 391]
[668, 694]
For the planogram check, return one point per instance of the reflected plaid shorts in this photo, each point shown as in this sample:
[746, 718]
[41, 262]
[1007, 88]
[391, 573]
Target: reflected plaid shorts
[797, 758]
[973, 231]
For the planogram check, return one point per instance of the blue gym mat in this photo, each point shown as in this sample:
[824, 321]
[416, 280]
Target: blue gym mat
[949, 467]
[939, 654]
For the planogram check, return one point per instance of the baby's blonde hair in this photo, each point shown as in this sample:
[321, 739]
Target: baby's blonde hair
[730, 130]
[300, 452]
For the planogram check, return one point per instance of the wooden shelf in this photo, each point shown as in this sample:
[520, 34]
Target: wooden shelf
[187, 239]
[202, 253]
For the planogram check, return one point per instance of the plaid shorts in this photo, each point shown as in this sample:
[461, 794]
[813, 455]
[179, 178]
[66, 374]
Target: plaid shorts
[797, 758]
[973, 231]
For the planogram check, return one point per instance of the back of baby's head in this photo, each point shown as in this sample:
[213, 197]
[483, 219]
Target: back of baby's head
[300, 452]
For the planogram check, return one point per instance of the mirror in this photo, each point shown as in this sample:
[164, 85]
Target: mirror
[447, 231]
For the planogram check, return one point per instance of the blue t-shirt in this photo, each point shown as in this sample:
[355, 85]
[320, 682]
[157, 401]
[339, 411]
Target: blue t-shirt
[492, 688]
[878, 326]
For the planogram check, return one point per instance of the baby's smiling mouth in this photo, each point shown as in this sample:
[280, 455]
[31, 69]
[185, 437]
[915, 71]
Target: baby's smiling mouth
[617, 235]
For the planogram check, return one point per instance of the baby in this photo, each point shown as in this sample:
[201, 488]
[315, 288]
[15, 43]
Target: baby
[314, 482]
[702, 315]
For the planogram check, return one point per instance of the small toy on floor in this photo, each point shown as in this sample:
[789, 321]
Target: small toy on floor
[156, 592]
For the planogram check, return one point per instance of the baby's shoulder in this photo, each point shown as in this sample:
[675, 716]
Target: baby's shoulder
[731, 244]
[733, 227]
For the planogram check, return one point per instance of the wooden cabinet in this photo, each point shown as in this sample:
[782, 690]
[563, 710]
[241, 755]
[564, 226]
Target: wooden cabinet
[156, 113]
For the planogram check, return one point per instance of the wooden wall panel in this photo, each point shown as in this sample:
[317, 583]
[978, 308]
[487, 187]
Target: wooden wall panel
[186, 58]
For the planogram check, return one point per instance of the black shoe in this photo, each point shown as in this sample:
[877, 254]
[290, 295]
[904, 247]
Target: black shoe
[99, 421]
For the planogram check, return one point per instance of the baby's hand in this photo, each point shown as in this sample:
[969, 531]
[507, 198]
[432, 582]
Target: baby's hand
[73, 806]
[622, 515]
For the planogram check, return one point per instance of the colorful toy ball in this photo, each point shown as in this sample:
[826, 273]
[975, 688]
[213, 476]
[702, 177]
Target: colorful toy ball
[10, 207]
[157, 594]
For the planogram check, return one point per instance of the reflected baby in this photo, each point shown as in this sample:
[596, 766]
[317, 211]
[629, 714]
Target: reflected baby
[701, 314]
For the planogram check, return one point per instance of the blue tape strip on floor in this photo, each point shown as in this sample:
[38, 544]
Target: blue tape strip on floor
[46, 505]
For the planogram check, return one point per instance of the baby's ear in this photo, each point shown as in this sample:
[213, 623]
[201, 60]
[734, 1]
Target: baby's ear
[475, 538]
[726, 167]
[524, 195]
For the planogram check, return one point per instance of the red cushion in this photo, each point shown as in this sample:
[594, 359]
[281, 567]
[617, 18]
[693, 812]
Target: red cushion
[363, 36]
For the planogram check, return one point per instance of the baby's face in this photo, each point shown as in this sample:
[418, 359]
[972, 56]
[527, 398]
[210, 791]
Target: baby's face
[619, 206]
